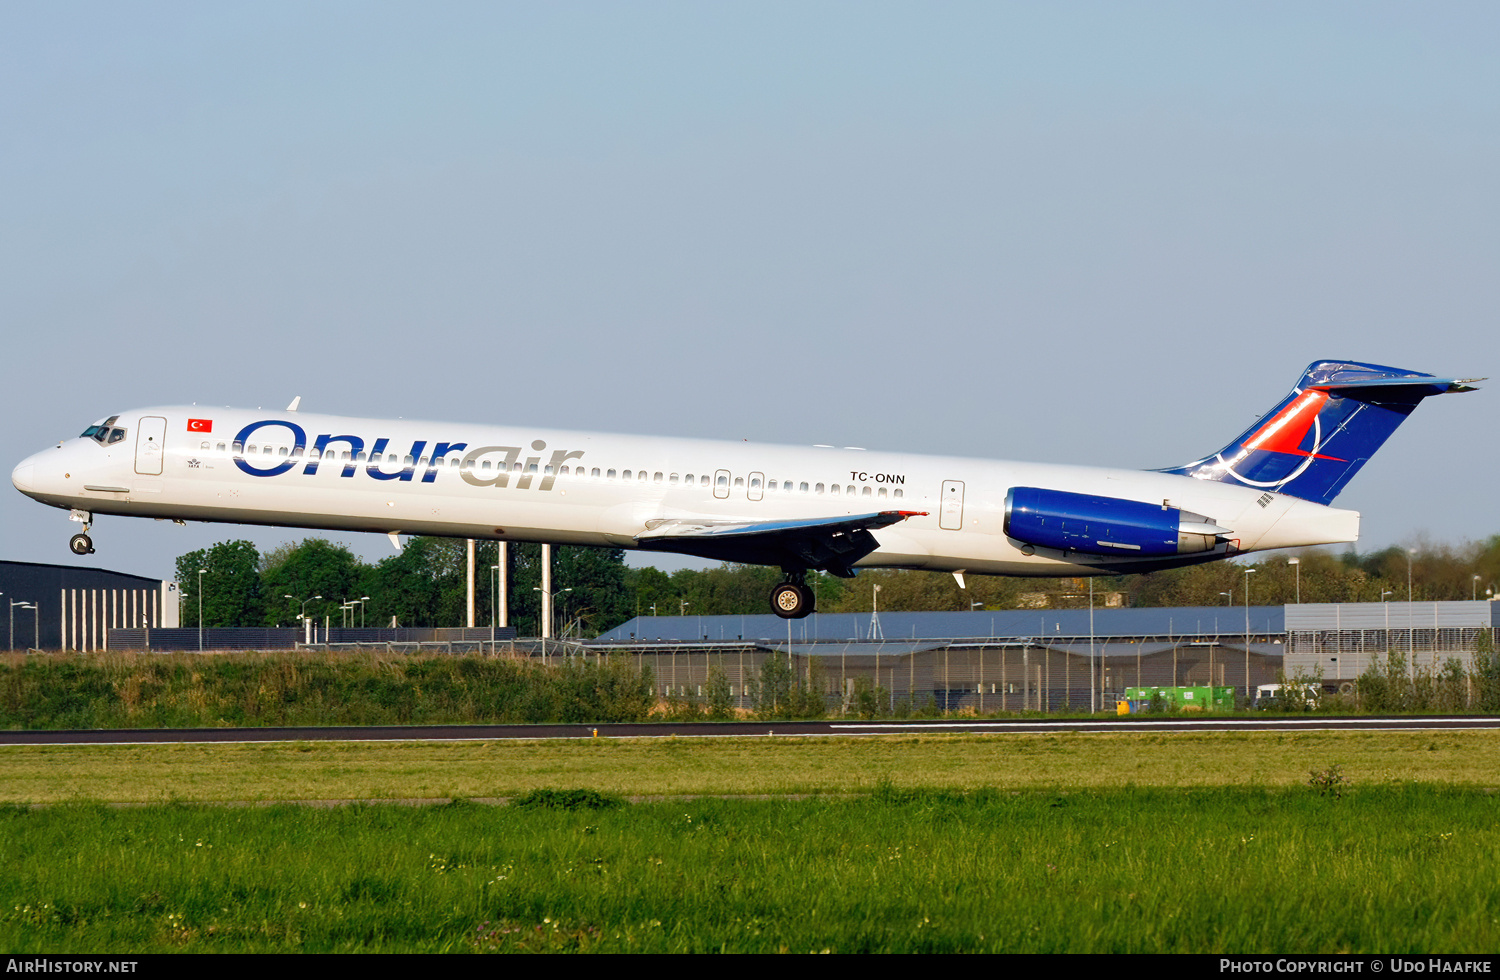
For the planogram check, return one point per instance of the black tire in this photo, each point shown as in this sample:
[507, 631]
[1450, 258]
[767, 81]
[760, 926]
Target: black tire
[81, 545]
[791, 601]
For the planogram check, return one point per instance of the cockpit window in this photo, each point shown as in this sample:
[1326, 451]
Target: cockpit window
[105, 433]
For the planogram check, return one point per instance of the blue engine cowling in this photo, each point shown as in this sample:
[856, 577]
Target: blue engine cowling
[1105, 525]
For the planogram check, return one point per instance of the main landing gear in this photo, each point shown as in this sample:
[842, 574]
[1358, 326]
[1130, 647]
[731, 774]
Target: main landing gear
[792, 599]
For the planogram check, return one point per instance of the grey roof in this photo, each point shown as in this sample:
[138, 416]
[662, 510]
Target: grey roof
[1204, 621]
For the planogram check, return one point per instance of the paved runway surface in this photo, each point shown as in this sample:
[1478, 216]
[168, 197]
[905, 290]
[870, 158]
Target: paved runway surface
[455, 733]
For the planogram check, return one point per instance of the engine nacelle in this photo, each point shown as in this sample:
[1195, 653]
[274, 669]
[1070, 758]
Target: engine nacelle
[1105, 525]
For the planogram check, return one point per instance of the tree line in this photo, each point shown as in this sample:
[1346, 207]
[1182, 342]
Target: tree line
[425, 585]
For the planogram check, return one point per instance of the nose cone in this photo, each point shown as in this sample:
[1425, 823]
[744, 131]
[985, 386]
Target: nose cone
[24, 475]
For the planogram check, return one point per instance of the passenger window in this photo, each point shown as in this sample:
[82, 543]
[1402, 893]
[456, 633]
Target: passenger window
[802, 487]
[656, 478]
[818, 488]
[612, 474]
[723, 481]
[834, 489]
[594, 473]
[239, 447]
[881, 492]
[642, 476]
[865, 492]
[203, 446]
[221, 449]
[739, 481]
[673, 479]
[545, 469]
[899, 493]
[281, 451]
[625, 475]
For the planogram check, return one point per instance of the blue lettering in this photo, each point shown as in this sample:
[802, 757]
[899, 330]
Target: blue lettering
[438, 452]
[356, 446]
[298, 435]
[405, 475]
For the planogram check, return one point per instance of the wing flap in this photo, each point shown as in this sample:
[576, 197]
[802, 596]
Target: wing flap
[831, 544]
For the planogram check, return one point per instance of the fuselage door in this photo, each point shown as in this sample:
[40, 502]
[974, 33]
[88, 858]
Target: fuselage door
[150, 445]
[951, 512]
[721, 484]
[757, 485]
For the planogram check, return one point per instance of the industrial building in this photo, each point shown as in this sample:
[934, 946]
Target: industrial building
[1052, 660]
[63, 607]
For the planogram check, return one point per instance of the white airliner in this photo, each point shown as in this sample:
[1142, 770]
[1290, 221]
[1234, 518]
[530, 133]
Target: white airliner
[800, 508]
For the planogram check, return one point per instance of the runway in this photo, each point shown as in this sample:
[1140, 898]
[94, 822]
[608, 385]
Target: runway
[744, 729]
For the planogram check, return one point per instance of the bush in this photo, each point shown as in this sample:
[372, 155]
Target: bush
[567, 799]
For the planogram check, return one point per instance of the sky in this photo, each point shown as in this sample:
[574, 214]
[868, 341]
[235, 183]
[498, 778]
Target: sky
[1097, 233]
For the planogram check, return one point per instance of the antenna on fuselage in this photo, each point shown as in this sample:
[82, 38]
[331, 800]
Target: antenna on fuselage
[295, 402]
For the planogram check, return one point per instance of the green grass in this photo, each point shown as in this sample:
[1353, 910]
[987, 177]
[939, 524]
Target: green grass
[1389, 869]
[735, 766]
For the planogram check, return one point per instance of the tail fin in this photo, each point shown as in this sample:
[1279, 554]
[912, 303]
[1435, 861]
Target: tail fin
[1313, 442]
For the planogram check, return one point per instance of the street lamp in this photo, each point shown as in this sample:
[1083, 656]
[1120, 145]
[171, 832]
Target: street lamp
[1297, 563]
[1474, 591]
[201, 572]
[1387, 604]
[1227, 596]
[1411, 643]
[552, 597]
[494, 602]
[35, 621]
[13, 604]
[1248, 573]
[302, 615]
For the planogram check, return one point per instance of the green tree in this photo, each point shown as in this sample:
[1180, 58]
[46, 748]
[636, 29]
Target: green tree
[232, 594]
[313, 567]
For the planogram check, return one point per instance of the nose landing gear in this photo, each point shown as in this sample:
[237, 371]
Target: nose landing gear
[82, 544]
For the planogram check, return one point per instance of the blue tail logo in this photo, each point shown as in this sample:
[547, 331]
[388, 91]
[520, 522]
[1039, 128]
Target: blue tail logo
[1313, 442]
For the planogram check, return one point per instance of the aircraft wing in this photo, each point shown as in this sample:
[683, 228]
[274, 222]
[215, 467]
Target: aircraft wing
[831, 544]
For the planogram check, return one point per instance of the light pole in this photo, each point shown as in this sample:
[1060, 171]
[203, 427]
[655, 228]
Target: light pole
[1411, 642]
[302, 615]
[201, 572]
[551, 598]
[36, 623]
[1387, 604]
[362, 600]
[1297, 563]
[1248, 573]
[1227, 597]
[13, 604]
[494, 601]
[1474, 591]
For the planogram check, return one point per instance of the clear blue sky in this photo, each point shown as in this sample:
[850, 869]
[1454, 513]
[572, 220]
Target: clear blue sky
[1076, 232]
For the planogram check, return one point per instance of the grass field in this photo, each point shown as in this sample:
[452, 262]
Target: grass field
[1120, 843]
[739, 766]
